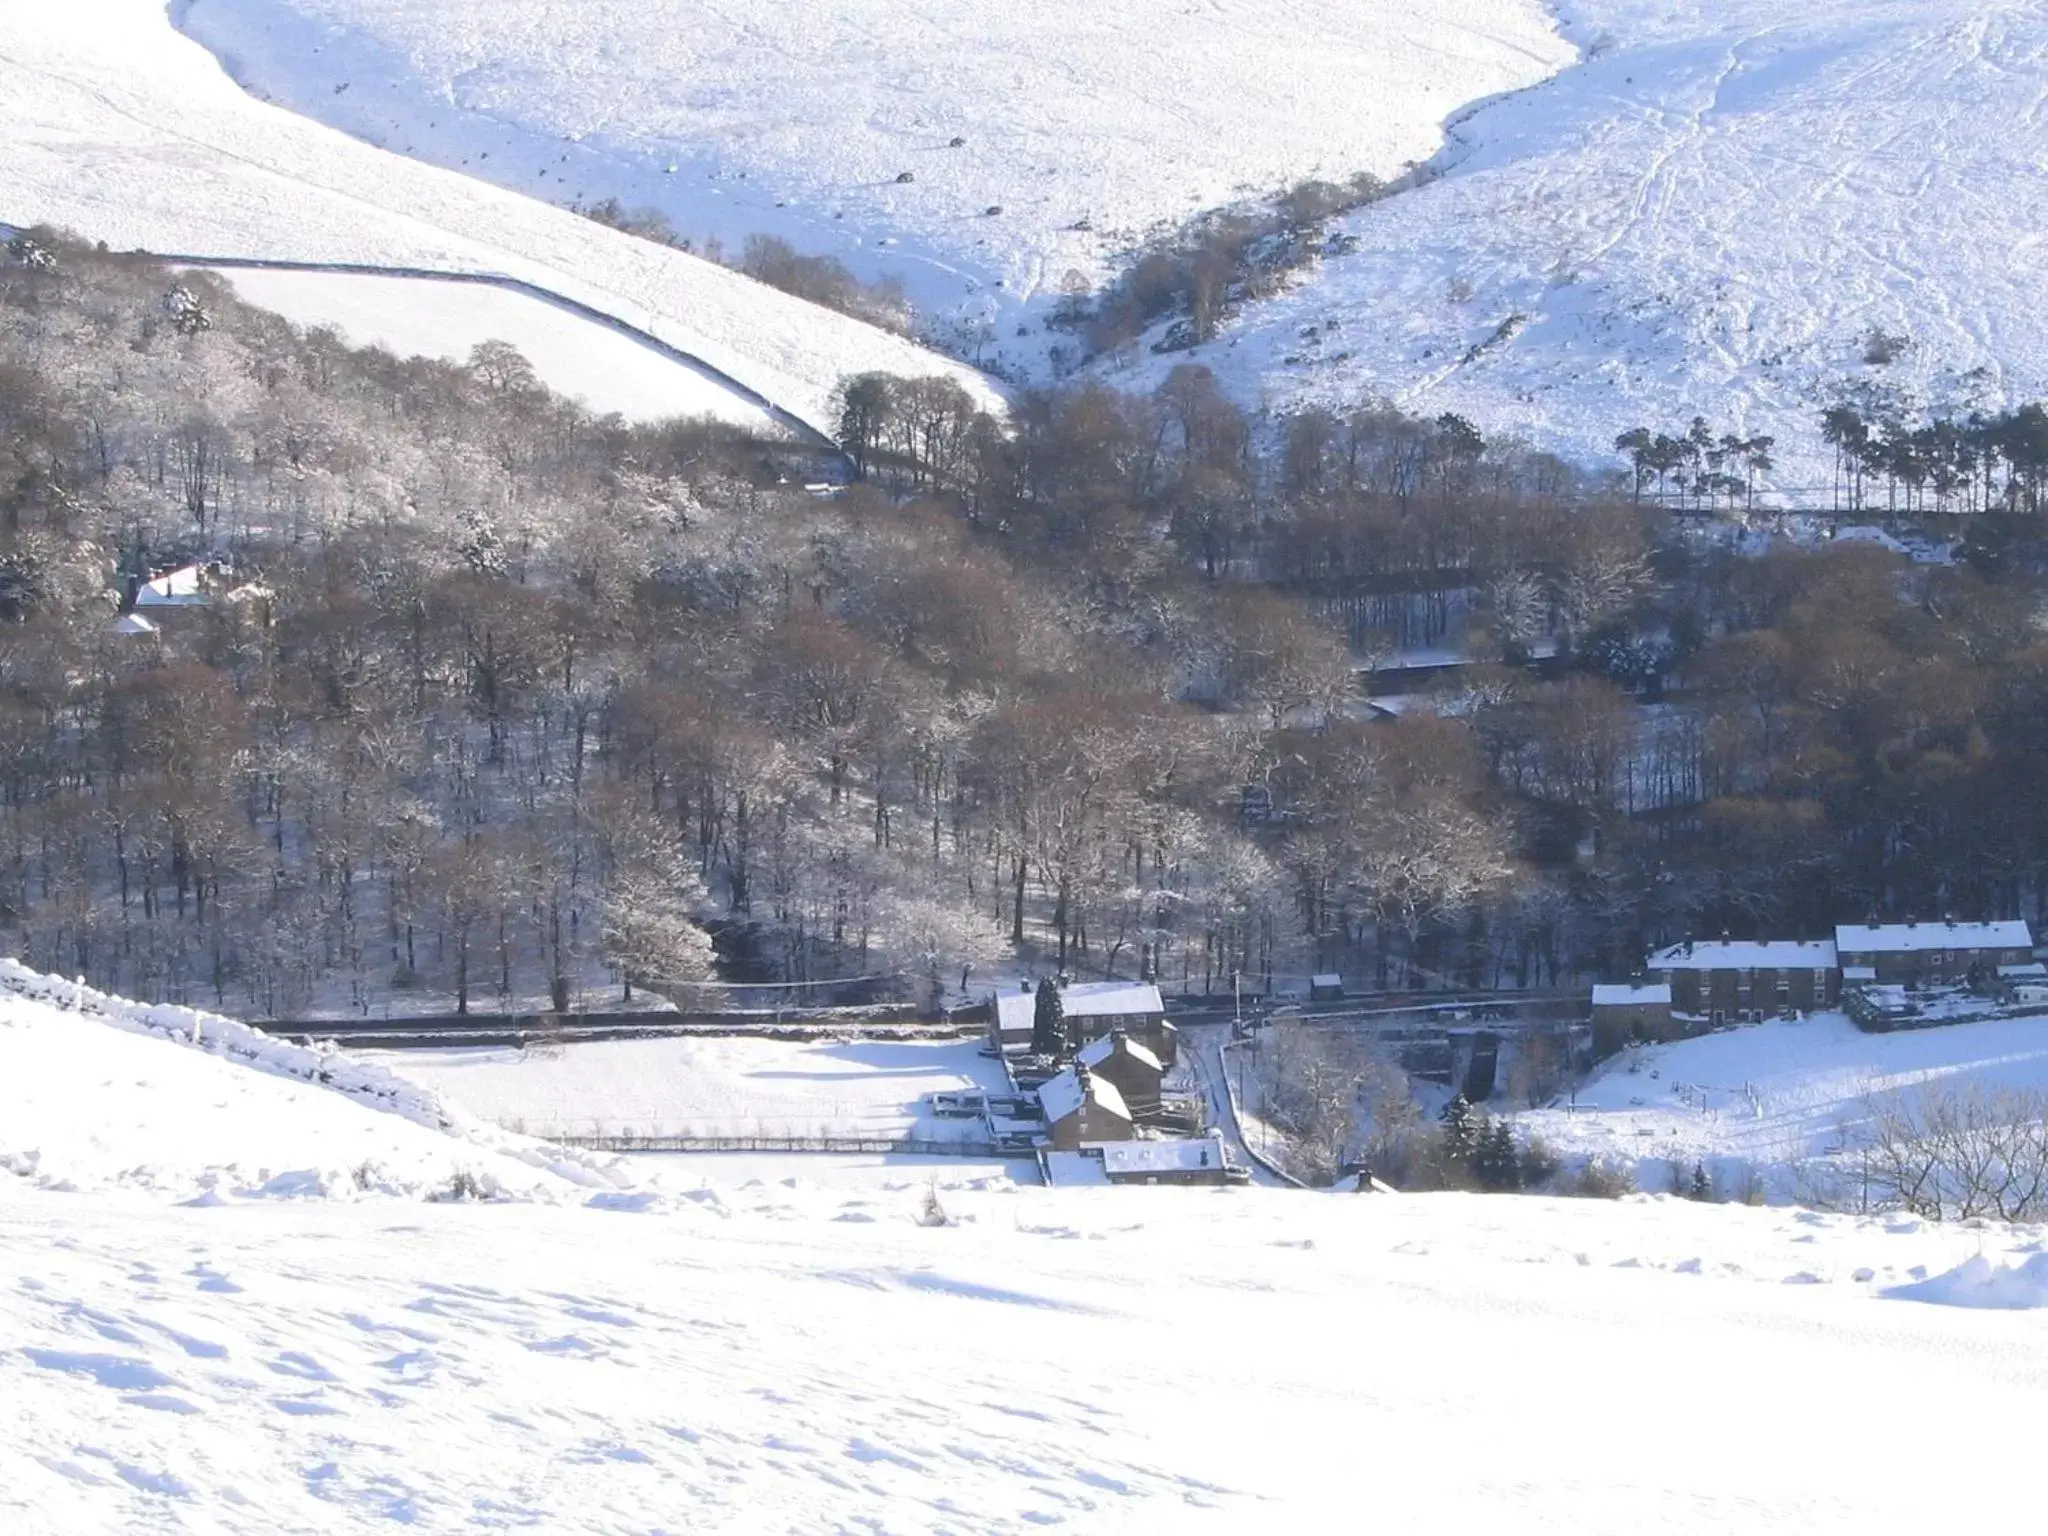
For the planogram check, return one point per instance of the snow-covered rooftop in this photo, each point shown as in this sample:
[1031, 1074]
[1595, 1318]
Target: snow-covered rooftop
[1864, 938]
[1015, 1011]
[131, 624]
[1746, 955]
[1089, 999]
[1065, 1094]
[182, 588]
[1068, 1170]
[1180, 1155]
[1100, 1049]
[1618, 995]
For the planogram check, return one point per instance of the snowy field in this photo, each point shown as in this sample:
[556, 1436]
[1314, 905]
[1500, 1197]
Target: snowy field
[1701, 206]
[1777, 1096]
[1709, 215]
[717, 1086]
[114, 125]
[606, 369]
[617, 1346]
[801, 119]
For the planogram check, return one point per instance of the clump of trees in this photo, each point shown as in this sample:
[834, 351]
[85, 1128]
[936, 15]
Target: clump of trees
[1948, 1153]
[828, 281]
[1979, 463]
[1697, 469]
[1221, 259]
[769, 259]
[1944, 465]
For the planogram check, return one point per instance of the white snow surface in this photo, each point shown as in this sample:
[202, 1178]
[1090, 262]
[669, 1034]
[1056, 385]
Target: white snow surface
[1090, 1360]
[98, 1093]
[1709, 214]
[1786, 1098]
[607, 370]
[114, 125]
[1649, 209]
[726, 1086]
[804, 1356]
[796, 118]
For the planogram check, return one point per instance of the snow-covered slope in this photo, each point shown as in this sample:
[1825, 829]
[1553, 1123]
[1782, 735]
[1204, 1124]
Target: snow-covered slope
[1788, 1099]
[98, 1093]
[1710, 215]
[1712, 211]
[803, 119]
[795, 1357]
[114, 125]
[1095, 1362]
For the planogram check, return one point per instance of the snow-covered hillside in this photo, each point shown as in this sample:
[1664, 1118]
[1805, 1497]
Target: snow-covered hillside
[889, 133]
[1787, 1099]
[805, 1356]
[117, 127]
[97, 1093]
[604, 368]
[1715, 213]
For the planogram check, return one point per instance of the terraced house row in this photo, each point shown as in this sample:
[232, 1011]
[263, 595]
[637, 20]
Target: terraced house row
[1732, 981]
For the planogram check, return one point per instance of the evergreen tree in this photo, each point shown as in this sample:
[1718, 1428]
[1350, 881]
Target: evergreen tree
[1702, 1186]
[1463, 1126]
[1497, 1163]
[1048, 1022]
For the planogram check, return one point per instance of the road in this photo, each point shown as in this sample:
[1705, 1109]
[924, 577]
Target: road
[1201, 1047]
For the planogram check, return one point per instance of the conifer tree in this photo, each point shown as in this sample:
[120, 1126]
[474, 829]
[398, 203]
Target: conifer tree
[1499, 1164]
[1048, 1022]
[1463, 1127]
[1702, 1186]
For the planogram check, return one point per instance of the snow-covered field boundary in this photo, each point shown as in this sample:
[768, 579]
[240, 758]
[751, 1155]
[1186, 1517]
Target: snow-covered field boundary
[367, 1083]
[791, 422]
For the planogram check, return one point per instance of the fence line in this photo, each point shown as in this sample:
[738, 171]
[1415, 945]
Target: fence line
[909, 1145]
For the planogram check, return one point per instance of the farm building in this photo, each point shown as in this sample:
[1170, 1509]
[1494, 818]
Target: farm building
[1091, 1009]
[1081, 1107]
[1631, 1011]
[1135, 1007]
[1130, 1066]
[1191, 1160]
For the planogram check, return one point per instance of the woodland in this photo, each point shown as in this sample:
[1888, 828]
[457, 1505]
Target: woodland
[494, 703]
